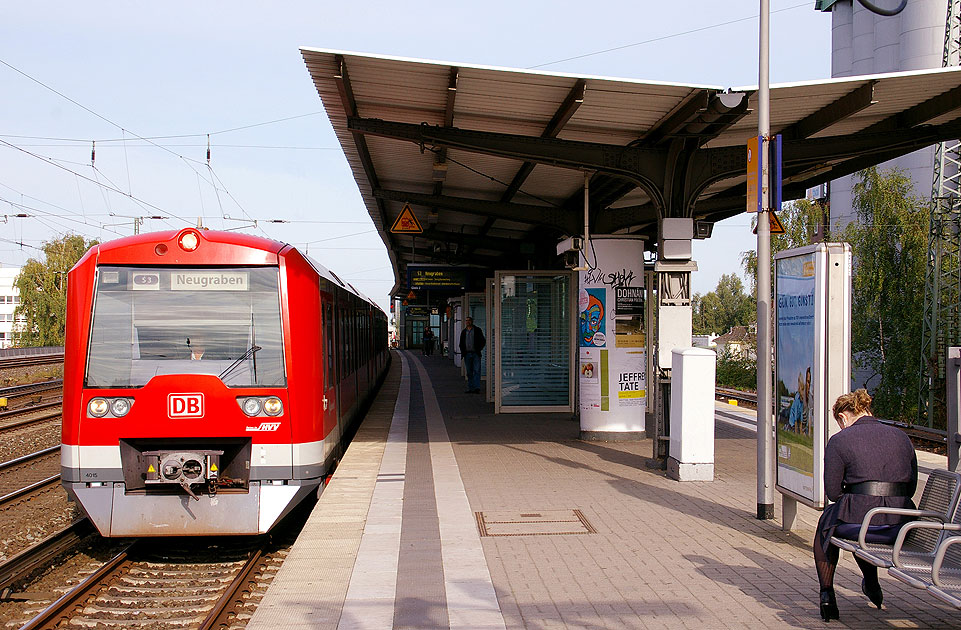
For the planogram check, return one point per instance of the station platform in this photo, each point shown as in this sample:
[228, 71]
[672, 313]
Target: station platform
[444, 515]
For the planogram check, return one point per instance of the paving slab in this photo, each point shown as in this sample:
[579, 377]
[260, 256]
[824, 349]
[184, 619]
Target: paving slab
[658, 553]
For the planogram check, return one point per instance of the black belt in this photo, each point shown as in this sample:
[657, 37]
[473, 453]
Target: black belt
[880, 489]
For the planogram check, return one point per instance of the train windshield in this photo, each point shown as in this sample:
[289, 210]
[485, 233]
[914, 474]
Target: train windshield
[154, 321]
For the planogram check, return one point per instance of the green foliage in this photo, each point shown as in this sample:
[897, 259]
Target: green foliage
[889, 242]
[801, 220]
[43, 292]
[736, 371]
[726, 306]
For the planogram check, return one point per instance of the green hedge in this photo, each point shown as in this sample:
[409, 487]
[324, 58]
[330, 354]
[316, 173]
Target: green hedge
[736, 372]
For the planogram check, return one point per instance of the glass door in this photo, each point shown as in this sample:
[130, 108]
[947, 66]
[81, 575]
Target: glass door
[533, 366]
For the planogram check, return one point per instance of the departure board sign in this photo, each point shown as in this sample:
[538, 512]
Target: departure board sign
[418, 311]
[437, 277]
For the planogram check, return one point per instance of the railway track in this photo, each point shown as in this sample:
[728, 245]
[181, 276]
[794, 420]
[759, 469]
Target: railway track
[38, 359]
[18, 568]
[158, 585]
[29, 474]
[19, 391]
[8, 424]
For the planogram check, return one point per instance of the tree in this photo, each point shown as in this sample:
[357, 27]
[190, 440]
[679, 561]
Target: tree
[801, 220]
[889, 242]
[43, 292]
[726, 306]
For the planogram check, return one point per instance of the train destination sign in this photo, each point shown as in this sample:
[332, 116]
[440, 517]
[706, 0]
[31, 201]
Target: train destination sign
[209, 281]
[437, 278]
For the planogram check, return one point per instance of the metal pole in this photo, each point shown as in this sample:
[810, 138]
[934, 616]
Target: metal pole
[765, 437]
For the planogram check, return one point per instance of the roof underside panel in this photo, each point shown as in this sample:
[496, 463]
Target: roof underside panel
[512, 107]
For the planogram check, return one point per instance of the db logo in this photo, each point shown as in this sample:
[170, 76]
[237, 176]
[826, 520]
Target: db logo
[185, 405]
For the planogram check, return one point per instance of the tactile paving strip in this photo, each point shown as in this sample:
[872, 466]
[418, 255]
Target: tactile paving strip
[540, 523]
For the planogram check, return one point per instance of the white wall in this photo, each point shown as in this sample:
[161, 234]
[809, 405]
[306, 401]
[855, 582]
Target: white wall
[9, 300]
[866, 43]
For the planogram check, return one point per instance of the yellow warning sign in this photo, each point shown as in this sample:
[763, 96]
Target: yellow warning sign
[776, 226]
[406, 222]
[213, 467]
[151, 469]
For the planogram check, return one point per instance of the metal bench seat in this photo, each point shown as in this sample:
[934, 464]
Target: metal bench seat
[943, 577]
[918, 541]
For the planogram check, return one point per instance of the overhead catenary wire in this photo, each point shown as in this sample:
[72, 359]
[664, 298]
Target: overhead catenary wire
[124, 132]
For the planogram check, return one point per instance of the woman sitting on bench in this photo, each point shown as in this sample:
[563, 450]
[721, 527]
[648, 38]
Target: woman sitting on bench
[866, 465]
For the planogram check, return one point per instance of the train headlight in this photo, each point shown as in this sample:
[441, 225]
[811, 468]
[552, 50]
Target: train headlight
[119, 407]
[98, 407]
[251, 406]
[273, 406]
[189, 241]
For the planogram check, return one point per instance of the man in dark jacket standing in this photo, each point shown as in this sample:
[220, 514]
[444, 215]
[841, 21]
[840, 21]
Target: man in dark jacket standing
[472, 343]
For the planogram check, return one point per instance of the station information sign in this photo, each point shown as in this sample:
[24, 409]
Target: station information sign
[437, 277]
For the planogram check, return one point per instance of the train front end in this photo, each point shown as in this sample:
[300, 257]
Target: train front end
[176, 410]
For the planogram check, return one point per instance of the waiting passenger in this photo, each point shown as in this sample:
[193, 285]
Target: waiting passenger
[428, 342]
[472, 343]
[866, 465]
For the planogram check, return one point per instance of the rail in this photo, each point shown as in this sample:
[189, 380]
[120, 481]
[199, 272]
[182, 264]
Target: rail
[61, 610]
[41, 555]
[74, 607]
[15, 391]
[40, 359]
[23, 423]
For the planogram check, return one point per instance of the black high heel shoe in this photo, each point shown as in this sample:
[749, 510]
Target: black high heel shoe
[829, 605]
[874, 593]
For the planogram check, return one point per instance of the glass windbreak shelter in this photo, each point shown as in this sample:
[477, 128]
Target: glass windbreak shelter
[477, 310]
[535, 342]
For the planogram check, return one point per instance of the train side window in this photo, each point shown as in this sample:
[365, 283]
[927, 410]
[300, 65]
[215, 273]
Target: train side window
[345, 344]
[329, 345]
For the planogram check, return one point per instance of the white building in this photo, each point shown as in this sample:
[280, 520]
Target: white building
[864, 42]
[9, 300]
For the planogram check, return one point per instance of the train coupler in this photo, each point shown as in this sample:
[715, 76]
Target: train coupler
[183, 468]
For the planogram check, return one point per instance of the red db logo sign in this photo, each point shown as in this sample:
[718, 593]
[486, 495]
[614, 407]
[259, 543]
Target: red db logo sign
[185, 405]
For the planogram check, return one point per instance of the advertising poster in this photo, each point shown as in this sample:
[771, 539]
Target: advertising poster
[612, 384]
[589, 374]
[795, 373]
[631, 381]
[592, 304]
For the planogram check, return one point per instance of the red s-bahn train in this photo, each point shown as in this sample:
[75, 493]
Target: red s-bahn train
[209, 380]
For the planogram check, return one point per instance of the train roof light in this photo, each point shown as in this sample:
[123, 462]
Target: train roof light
[189, 241]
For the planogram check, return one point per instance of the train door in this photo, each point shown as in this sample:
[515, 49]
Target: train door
[331, 411]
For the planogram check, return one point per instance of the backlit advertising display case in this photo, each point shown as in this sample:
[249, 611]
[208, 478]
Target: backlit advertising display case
[812, 361]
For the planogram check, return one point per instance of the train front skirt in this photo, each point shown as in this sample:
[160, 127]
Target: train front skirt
[117, 513]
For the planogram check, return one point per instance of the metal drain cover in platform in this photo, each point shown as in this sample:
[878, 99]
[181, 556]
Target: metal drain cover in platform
[533, 523]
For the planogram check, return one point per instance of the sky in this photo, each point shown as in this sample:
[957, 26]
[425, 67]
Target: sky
[146, 86]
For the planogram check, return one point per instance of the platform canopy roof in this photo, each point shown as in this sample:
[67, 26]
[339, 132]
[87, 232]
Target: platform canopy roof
[492, 161]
